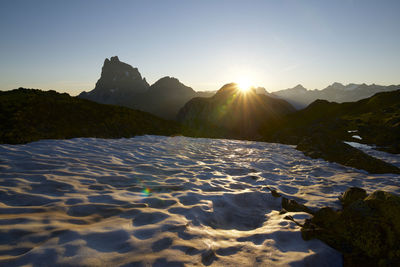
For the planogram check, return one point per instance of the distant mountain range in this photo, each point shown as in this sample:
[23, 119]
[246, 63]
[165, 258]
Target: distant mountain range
[300, 97]
[121, 84]
[234, 113]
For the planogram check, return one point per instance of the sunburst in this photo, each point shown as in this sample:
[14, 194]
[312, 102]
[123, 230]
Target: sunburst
[244, 84]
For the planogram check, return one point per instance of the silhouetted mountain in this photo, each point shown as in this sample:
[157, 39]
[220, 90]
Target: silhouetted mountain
[165, 97]
[121, 84]
[232, 112]
[205, 93]
[27, 115]
[376, 120]
[300, 97]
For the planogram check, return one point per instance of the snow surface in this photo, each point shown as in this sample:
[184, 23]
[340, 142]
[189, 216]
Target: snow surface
[357, 137]
[165, 201]
[371, 150]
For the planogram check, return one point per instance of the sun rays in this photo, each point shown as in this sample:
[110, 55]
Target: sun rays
[244, 84]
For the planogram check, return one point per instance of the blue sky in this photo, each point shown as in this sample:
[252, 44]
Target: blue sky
[61, 45]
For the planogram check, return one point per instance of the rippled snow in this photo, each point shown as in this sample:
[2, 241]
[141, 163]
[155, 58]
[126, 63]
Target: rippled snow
[165, 201]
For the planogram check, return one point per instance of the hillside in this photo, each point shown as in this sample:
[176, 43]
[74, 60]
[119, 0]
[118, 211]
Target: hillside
[374, 120]
[234, 113]
[28, 115]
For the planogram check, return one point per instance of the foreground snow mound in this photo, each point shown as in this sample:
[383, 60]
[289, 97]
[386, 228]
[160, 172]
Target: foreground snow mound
[165, 201]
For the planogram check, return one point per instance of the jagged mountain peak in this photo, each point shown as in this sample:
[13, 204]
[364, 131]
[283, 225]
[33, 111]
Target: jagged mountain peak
[337, 84]
[118, 83]
[116, 75]
[114, 59]
[299, 87]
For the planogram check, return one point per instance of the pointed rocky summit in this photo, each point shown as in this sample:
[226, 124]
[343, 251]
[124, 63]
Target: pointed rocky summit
[118, 84]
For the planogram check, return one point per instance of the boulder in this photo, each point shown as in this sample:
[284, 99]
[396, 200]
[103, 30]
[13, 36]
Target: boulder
[292, 205]
[351, 195]
[366, 230]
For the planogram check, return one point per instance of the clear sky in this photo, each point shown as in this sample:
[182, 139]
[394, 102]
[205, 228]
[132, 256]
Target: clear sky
[61, 45]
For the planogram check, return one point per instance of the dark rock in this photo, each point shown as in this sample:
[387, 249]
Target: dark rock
[292, 205]
[366, 231]
[288, 217]
[275, 193]
[283, 211]
[208, 257]
[351, 195]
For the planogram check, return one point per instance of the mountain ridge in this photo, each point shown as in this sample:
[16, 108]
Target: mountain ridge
[121, 84]
[301, 97]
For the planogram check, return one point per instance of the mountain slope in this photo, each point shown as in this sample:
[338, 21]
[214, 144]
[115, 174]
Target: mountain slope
[376, 120]
[27, 115]
[165, 97]
[232, 112]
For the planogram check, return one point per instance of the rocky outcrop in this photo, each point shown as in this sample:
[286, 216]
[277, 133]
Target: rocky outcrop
[235, 113]
[366, 230]
[293, 206]
[119, 83]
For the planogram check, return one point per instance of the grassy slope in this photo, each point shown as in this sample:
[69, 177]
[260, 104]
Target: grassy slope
[27, 115]
[377, 120]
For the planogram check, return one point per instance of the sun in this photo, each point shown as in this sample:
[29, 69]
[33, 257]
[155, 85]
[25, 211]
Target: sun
[244, 84]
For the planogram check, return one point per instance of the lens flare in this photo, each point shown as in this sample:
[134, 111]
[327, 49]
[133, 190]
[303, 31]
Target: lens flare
[146, 192]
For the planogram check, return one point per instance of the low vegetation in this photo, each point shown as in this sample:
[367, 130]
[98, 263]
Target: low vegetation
[376, 120]
[28, 115]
